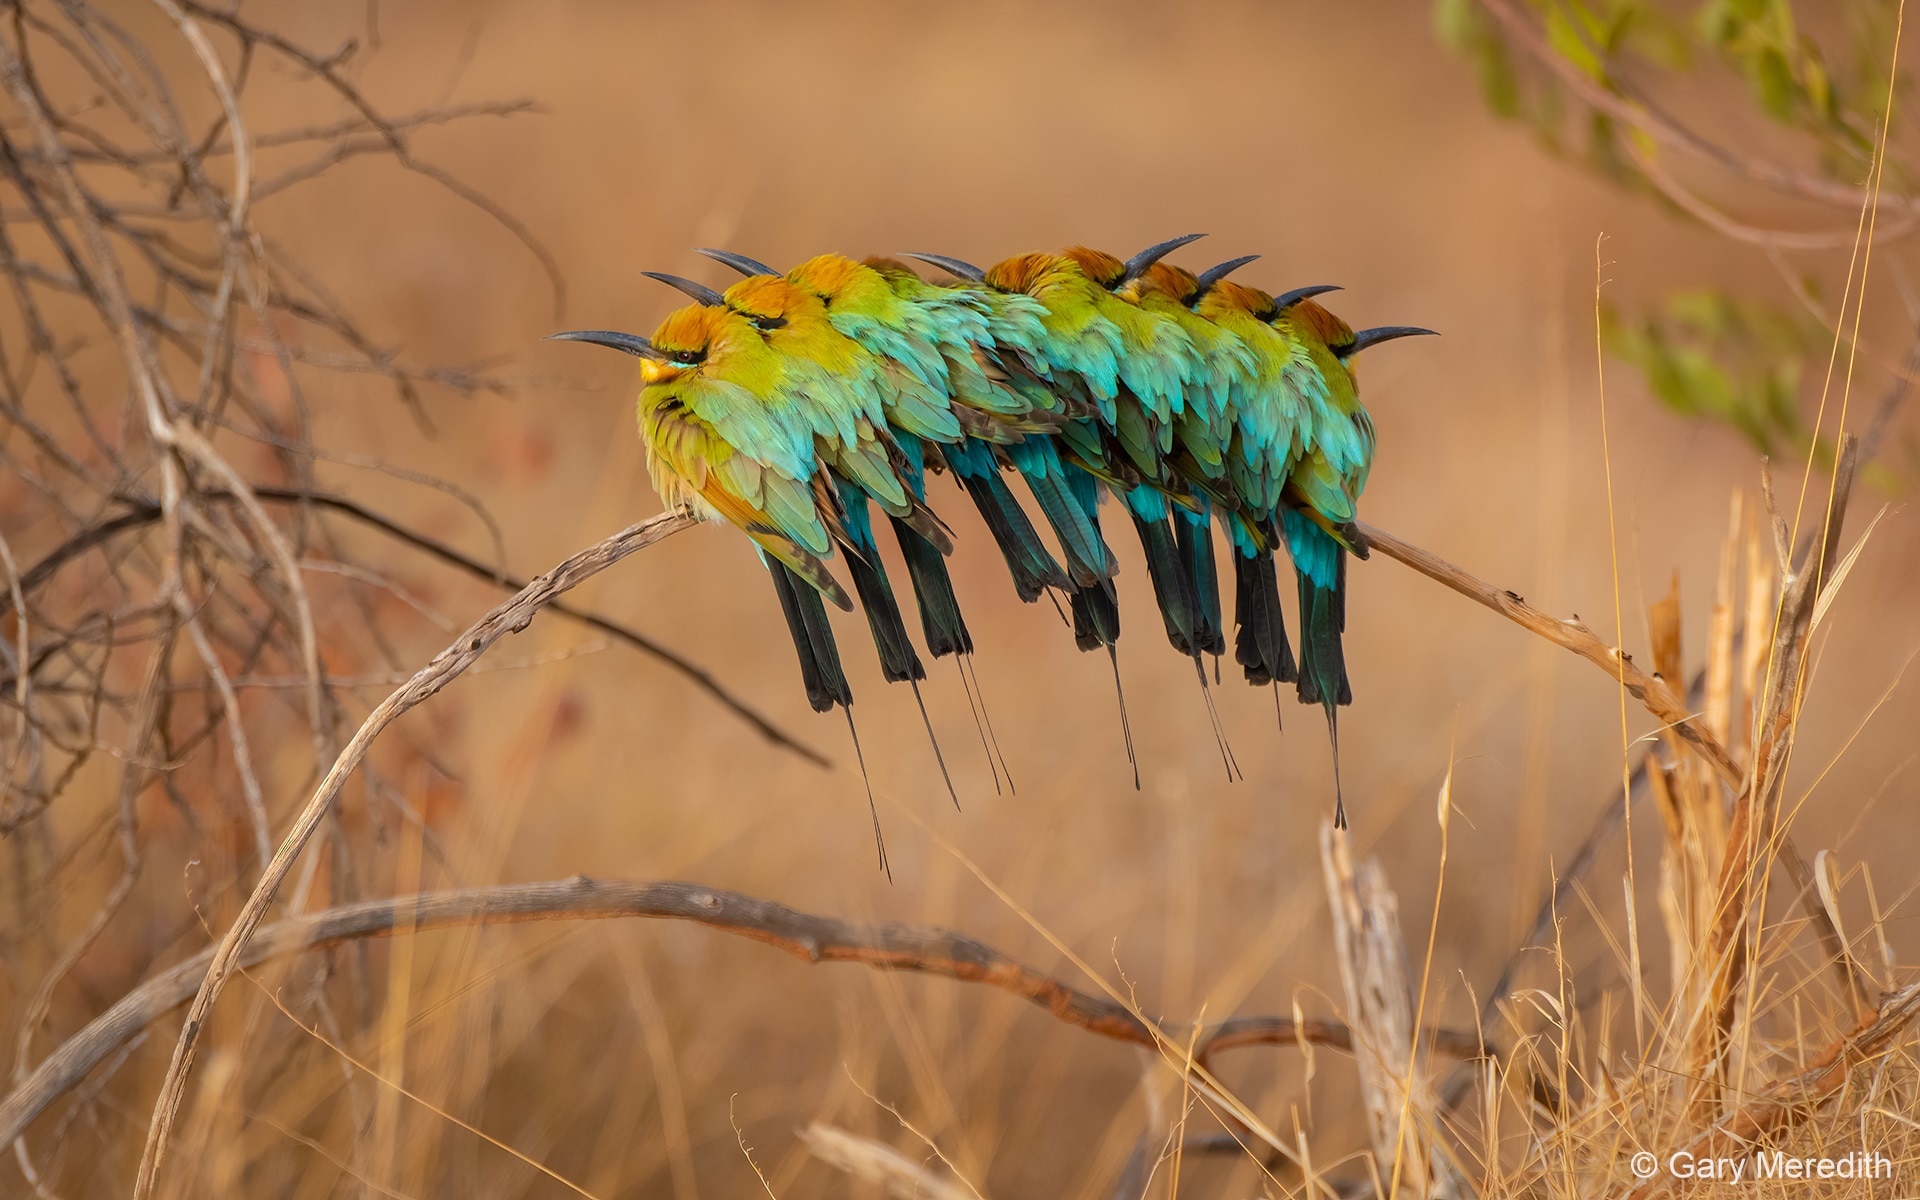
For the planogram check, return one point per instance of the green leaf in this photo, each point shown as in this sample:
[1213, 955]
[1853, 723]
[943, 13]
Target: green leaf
[1566, 39]
[1603, 147]
[1816, 83]
[1498, 83]
[1774, 84]
[1660, 40]
[1457, 24]
[1708, 355]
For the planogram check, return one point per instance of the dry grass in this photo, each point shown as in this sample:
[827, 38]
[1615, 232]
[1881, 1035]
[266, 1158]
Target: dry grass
[235, 513]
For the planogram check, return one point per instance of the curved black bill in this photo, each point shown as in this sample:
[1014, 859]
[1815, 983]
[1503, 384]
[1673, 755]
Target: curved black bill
[1215, 274]
[1289, 299]
[739, 262]
[1137, 265]
[626, 343]
[952, 266]
[699, 291]
[1383, 333]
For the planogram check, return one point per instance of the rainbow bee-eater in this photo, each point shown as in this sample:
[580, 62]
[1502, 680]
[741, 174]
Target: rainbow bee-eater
[928, 341]
[1323, 494]
[938, 346]
[1271, 425]
[1103, 355]
[1012, 350]
[1326, 470]
[741, 432]
[986, 338]
[1128, 370]
[1203, 434]
[1021, 349]
[717, 447]
[1141, 399]
[890, 410]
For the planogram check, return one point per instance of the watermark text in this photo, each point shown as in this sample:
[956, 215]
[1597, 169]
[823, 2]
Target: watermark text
[1762, 1164]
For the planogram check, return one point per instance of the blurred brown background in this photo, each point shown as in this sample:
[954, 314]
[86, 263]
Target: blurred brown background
[1340, 142]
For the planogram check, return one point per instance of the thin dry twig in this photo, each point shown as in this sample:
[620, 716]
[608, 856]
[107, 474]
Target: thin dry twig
[1651, 690]
[511, 617]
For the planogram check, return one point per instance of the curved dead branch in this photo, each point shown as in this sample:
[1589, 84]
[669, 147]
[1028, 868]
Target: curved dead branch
[814, 939]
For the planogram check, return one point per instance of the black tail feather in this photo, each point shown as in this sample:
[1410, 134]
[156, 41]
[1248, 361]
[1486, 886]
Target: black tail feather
[898, 659]
[987, 717]
[940, 620]
[820, 669]
[1088, 561]
[1260, 640]
[1323, 664]
[1169, 576]
[1170, 566]
[1096, 616]
[1323, 661]
[1203, 577]
[1032, 566]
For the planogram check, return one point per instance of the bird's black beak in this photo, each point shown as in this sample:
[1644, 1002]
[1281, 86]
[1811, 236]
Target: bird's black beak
[1213, 275]
[1384, 333]
[1138, 264]
[626, 343]
[739, 262]
[952, 266]
[1283, 302]
[699, 291]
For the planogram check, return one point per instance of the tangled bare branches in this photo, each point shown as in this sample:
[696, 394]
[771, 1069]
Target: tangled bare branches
[161, 505]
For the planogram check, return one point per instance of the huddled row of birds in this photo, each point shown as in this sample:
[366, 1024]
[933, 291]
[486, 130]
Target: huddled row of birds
[794, 403]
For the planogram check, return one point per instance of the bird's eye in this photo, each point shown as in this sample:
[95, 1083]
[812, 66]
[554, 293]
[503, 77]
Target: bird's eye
[687, 358]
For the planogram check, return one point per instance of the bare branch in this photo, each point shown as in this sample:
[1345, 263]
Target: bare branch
[1671, 134]
[1651, 690]
[813, 939]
